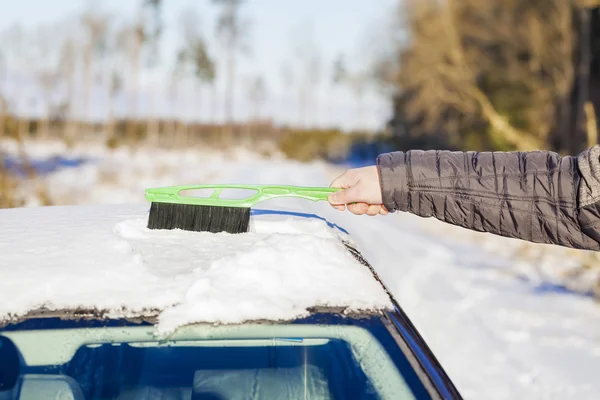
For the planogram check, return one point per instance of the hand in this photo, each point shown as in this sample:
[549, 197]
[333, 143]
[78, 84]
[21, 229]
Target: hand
[361, 194]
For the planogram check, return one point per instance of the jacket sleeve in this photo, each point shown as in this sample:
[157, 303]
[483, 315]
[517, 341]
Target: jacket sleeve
[536, 196]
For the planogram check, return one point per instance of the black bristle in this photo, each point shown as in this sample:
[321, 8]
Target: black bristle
[199, 218]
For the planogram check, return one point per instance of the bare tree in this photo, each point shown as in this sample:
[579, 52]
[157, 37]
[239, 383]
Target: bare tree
[67, 67]
[115, 87]
[49, 80]
[195, 56]
[174, 82]
[287, 78]
[314, 81]
[143, 34]
[257, 95]
[96, 27]
[309, 60]
[116, 57]
[180, 72]
[154, 31]
[358, 84]
[583, 111]
[204, 68]
[194, 59]
[41, 53]
[339, 76]
[256, 92]
[232, 29]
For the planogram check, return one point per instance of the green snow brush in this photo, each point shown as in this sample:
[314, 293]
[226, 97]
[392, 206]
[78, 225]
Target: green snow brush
[171, 210]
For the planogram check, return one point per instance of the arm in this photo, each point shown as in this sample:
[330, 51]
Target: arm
[536, 196]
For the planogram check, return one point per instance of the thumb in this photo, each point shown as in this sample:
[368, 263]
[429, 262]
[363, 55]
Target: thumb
[345, 196]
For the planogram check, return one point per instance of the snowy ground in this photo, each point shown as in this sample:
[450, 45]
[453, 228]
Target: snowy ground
[491, 310]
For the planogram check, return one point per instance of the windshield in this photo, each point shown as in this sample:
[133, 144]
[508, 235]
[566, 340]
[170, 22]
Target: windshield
[332, 359]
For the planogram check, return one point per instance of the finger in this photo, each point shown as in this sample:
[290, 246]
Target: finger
[358, 208]
[373, 210]
[345, 196]
[383, 211]
[341, 181]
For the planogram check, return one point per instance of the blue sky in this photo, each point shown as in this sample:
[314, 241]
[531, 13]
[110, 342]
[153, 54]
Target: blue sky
[348, 27]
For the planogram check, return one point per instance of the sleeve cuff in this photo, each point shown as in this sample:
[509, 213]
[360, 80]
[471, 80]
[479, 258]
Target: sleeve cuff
[393, 180]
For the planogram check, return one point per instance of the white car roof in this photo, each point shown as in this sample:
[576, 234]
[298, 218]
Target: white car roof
[104, 258]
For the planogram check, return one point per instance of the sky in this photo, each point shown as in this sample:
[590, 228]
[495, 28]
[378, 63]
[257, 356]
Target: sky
[335, 27]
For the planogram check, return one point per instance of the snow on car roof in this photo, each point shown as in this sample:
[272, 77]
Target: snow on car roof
[104, 258]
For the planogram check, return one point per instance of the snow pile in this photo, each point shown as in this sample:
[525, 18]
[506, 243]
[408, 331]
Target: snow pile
[105, 258]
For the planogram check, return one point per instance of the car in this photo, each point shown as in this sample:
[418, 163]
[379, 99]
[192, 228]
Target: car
[79, 328]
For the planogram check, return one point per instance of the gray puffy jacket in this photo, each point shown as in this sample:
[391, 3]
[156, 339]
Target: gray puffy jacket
[536, 196]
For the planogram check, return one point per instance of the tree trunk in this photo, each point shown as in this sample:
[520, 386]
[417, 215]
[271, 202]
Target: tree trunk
[132, 124]
[577, 143]
[330, 106]
[592, 128]
[229, 95]
[213, 103]
[170, 137]
[23, 129]
[45, 125]
[110, 125]
[196, 135]
[302, 108]
[248, 135]
[199, 107]
[558, 139]
[182, 134]
[172, 129]
[86, 91]
[44, 128]
[359, 111]
[314, 112]
[153, 123]
[70, 117]
[229, 88]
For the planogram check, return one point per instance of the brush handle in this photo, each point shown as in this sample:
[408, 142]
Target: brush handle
[263, 192]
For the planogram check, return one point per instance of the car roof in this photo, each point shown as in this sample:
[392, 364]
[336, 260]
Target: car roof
[103, 261]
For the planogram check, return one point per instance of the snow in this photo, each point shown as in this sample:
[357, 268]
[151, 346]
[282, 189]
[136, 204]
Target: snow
[485, 305]
[104, 257]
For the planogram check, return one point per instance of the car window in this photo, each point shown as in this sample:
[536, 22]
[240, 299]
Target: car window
[262, 361]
